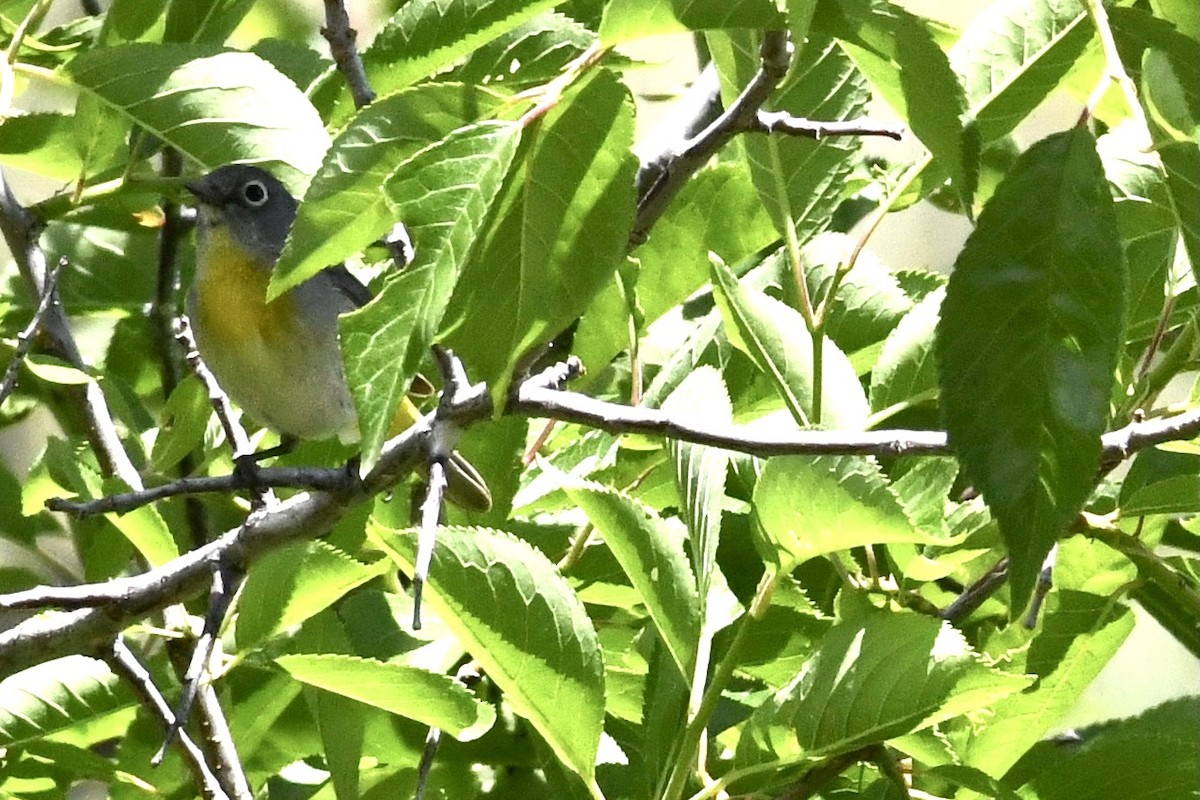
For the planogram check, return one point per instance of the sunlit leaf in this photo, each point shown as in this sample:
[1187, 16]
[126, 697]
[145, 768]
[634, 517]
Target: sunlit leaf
[813, 505]
[435, 700]
[776, 338]
[56, 695]
[523, 624]
[288, 586]
[444, 194]
[213, 106]
[652, 555]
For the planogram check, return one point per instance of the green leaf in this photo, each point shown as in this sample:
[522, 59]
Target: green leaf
[1014, 54]
[673, 263]
[891, 674]
[346, 208]
[532, 53]
[562, 234]
[444, 194]
[897, 52]
[1152, 755]
[144, 528]
[426, 36]
[702, 399]
[100, 278]
[905, 373]
[973, 779]
[875, 678]
[1161, 482]
[213, 106]
[1148, 226]
[204, 20]
[776, 338]
[780, 644]
[1169, 101]
[57, 695]
[626, 20]
[1027, 344]
[288, 586]
[432, 699]
[651, 553]
[133, 20]
[64, 469]
[518, 617]
[869, 302]
[41, 144]
[56, 371]
[184, 422]
[810, 506]
[1080, 633]
[1182, 161]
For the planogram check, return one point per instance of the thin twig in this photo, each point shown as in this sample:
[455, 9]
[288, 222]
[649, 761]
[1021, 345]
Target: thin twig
[431, 514]
[163, 309]
[25, 339]
[341, 38]
[975, 594]
[227, 580]
[443, 436]
[428, 753]
[534, 401]
[21, 230]
[126, 664]
[1042, 588]
[312, 478]
[785, 123]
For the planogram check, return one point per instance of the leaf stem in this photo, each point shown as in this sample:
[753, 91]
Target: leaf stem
[8, 79]
[721, 676]
[1115, 67]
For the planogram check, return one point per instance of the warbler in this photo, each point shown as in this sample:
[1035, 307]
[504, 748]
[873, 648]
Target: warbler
[280, 360]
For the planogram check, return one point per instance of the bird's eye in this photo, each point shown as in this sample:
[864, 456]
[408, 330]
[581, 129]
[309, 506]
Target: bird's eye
[255, 193]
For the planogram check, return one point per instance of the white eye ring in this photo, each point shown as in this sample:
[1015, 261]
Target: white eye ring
[255, 192]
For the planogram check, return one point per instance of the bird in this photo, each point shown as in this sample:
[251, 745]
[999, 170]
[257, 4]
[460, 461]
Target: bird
[280, 361]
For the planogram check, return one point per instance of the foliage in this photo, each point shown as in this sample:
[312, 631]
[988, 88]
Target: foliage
[639, 617]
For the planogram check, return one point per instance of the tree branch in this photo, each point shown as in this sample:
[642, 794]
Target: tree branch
[341, 38]
[663, 174]
[25, 339]
[126, 664]
[21, 230]
[782, 122]
[775, 57]
[325, 479]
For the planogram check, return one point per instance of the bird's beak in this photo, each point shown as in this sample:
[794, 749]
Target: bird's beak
[204, 190]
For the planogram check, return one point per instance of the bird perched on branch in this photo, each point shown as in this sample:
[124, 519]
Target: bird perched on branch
[280, 360]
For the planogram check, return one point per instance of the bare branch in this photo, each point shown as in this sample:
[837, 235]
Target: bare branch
[21, 230]
[533, 401]
[227, 580]
[49, 295]
[126, 664]
[782, 122]
[341, 38]
[311, 515]
[775, 58]
[312, 478]
[975, 594]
